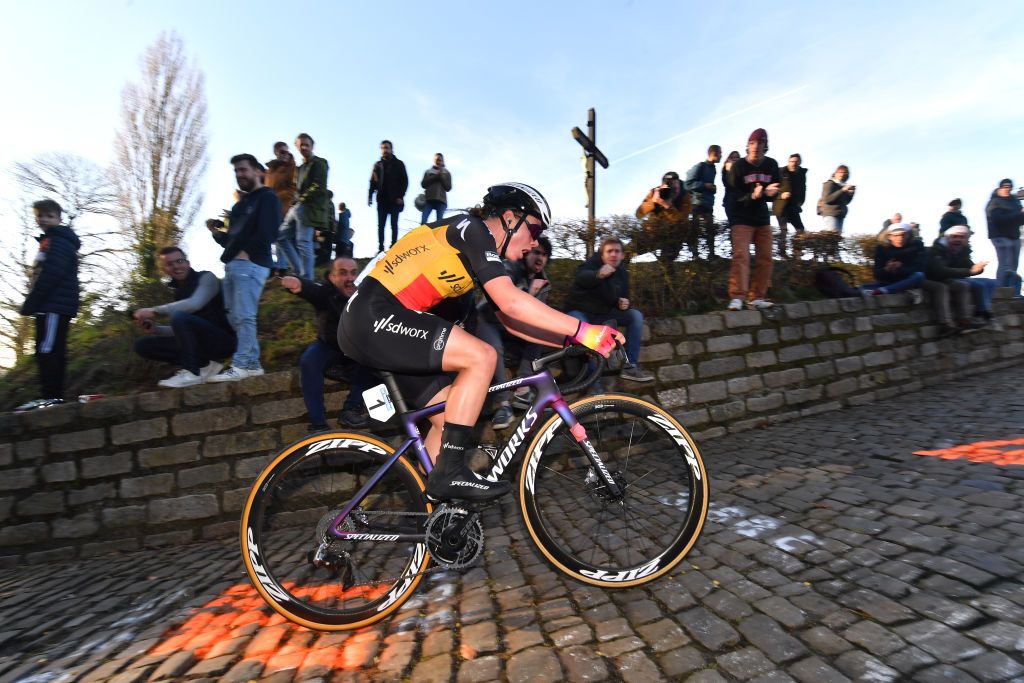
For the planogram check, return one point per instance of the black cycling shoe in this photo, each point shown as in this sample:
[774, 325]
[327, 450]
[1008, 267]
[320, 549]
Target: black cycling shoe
[454, 480]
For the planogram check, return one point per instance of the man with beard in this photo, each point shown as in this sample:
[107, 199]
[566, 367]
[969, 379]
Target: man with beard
[754, 181]
[329, 296]
[787, 207]
[251, 228]
[313, 207]
[390, 181]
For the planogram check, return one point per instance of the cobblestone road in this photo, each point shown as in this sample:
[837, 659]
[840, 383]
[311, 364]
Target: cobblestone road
[834, 552]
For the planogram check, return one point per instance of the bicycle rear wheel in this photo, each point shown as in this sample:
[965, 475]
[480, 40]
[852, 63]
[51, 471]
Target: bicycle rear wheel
[598, 538]
[316, 580]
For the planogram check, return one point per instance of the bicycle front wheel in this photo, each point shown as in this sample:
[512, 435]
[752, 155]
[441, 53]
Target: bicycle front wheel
[317, 580]
[607, 540]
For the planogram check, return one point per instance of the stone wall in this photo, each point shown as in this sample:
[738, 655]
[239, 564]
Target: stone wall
[172, 466]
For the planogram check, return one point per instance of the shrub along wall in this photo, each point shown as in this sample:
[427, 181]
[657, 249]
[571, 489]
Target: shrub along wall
[172, 466]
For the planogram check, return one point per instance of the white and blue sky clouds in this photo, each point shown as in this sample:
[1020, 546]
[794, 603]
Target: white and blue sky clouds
[922, 100]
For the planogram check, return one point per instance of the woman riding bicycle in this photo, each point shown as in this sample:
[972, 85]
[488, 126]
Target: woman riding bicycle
[403, 319]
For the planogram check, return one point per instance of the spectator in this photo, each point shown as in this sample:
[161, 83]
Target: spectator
[198, 335]
[280, 177]
[700, 181]
[666, 214]
[728, 201]
[325, 239]
[436, 183]
[896, 218]
[312, 205]
[1005, 216]
[754, 180]
[600, 293]
[900, 263]
[53, 300]
[787, 206]
[528, 275]
[952, 217]
[836, 195]
[390, 181]
[252, 227]
[329, 297]
[949, 262]
[344, 243]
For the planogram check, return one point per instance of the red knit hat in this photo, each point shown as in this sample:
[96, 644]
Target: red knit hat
[760, 135]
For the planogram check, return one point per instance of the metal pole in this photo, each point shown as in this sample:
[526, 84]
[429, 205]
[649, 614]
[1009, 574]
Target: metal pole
[591, 185]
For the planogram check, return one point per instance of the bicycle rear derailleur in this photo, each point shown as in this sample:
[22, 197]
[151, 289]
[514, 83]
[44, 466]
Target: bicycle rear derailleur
[455, 536]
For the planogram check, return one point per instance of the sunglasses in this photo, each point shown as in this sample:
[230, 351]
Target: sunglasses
[535, 229]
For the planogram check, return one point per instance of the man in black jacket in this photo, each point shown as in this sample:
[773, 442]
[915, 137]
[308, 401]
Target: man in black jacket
[788, 205]
[1005, 217]
[754, 181]
[251, 229]
[53, 300]
[329, 297]
[949, 262]
[390, 181]
[600, 292]
[700, 181]
[198, 335]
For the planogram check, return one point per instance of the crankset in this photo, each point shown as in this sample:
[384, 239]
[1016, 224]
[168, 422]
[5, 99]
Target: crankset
[454, 536]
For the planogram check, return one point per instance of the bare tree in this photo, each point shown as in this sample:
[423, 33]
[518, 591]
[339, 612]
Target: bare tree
[160, 151]
[15, 267]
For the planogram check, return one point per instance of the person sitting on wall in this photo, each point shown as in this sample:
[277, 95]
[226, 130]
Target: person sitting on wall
[949, 262]
[329, 297]
[198, 335]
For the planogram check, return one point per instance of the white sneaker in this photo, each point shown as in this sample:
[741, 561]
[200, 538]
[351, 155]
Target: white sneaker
[233, 374]
[736, 305]
[182, 378]
[760, 304]
[916, 296]
[210, 369]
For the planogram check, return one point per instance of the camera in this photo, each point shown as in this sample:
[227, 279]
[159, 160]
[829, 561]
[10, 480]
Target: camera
[665, 192]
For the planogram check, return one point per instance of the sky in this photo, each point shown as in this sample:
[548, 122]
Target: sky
[923, 101]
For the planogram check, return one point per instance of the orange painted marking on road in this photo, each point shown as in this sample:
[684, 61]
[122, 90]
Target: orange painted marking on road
[278, 644]
[995, 452]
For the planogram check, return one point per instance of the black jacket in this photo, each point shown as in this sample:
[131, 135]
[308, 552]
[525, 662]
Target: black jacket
[912, 257]
[1004, 217]
[252, 227]
[593, 295]
[329, 304]
[389, 180]
[54, 283]
[213, 310]
[945, 265]
[742, 178]
[795, 183]
[949, 219]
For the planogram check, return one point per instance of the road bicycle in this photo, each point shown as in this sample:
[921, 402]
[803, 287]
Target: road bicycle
[338, 531]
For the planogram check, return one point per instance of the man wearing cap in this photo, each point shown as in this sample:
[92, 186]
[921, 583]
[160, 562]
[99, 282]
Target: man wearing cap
[1005, 216]
[666, 211]
[754, 181]
[952, 217]
[900, 262]
[949, 262]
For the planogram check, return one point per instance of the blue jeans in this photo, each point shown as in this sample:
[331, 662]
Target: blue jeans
[433, 205]
[196, 342]
[899, 286]
[242, 286]
[833, 223]
[304, 241]
[982, 289]
[317, 357]
[1008, 258]
[631, 319]
[287, 251]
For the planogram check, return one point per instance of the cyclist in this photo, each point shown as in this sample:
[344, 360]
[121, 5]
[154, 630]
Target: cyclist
[402, 319]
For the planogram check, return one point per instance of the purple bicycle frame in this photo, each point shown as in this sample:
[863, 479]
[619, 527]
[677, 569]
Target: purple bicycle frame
[547, 394]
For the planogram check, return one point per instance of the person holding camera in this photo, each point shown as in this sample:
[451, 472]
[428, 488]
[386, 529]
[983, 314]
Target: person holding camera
[754, 181]
[836, 195]
[436, 184]
[198, 335]
[788, 203]
[666, 215]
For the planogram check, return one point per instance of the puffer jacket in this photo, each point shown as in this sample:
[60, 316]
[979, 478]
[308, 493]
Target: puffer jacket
[54, 282]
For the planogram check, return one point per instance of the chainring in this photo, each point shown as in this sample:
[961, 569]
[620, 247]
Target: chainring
[446, 547]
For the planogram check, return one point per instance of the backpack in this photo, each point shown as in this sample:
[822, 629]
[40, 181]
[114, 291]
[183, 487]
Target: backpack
[835, 283]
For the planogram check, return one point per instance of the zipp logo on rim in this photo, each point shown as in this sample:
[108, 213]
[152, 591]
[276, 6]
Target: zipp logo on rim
[261, 573]
[399, 328]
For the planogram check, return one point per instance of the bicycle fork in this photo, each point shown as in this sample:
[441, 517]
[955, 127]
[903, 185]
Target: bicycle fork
[598, 471]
